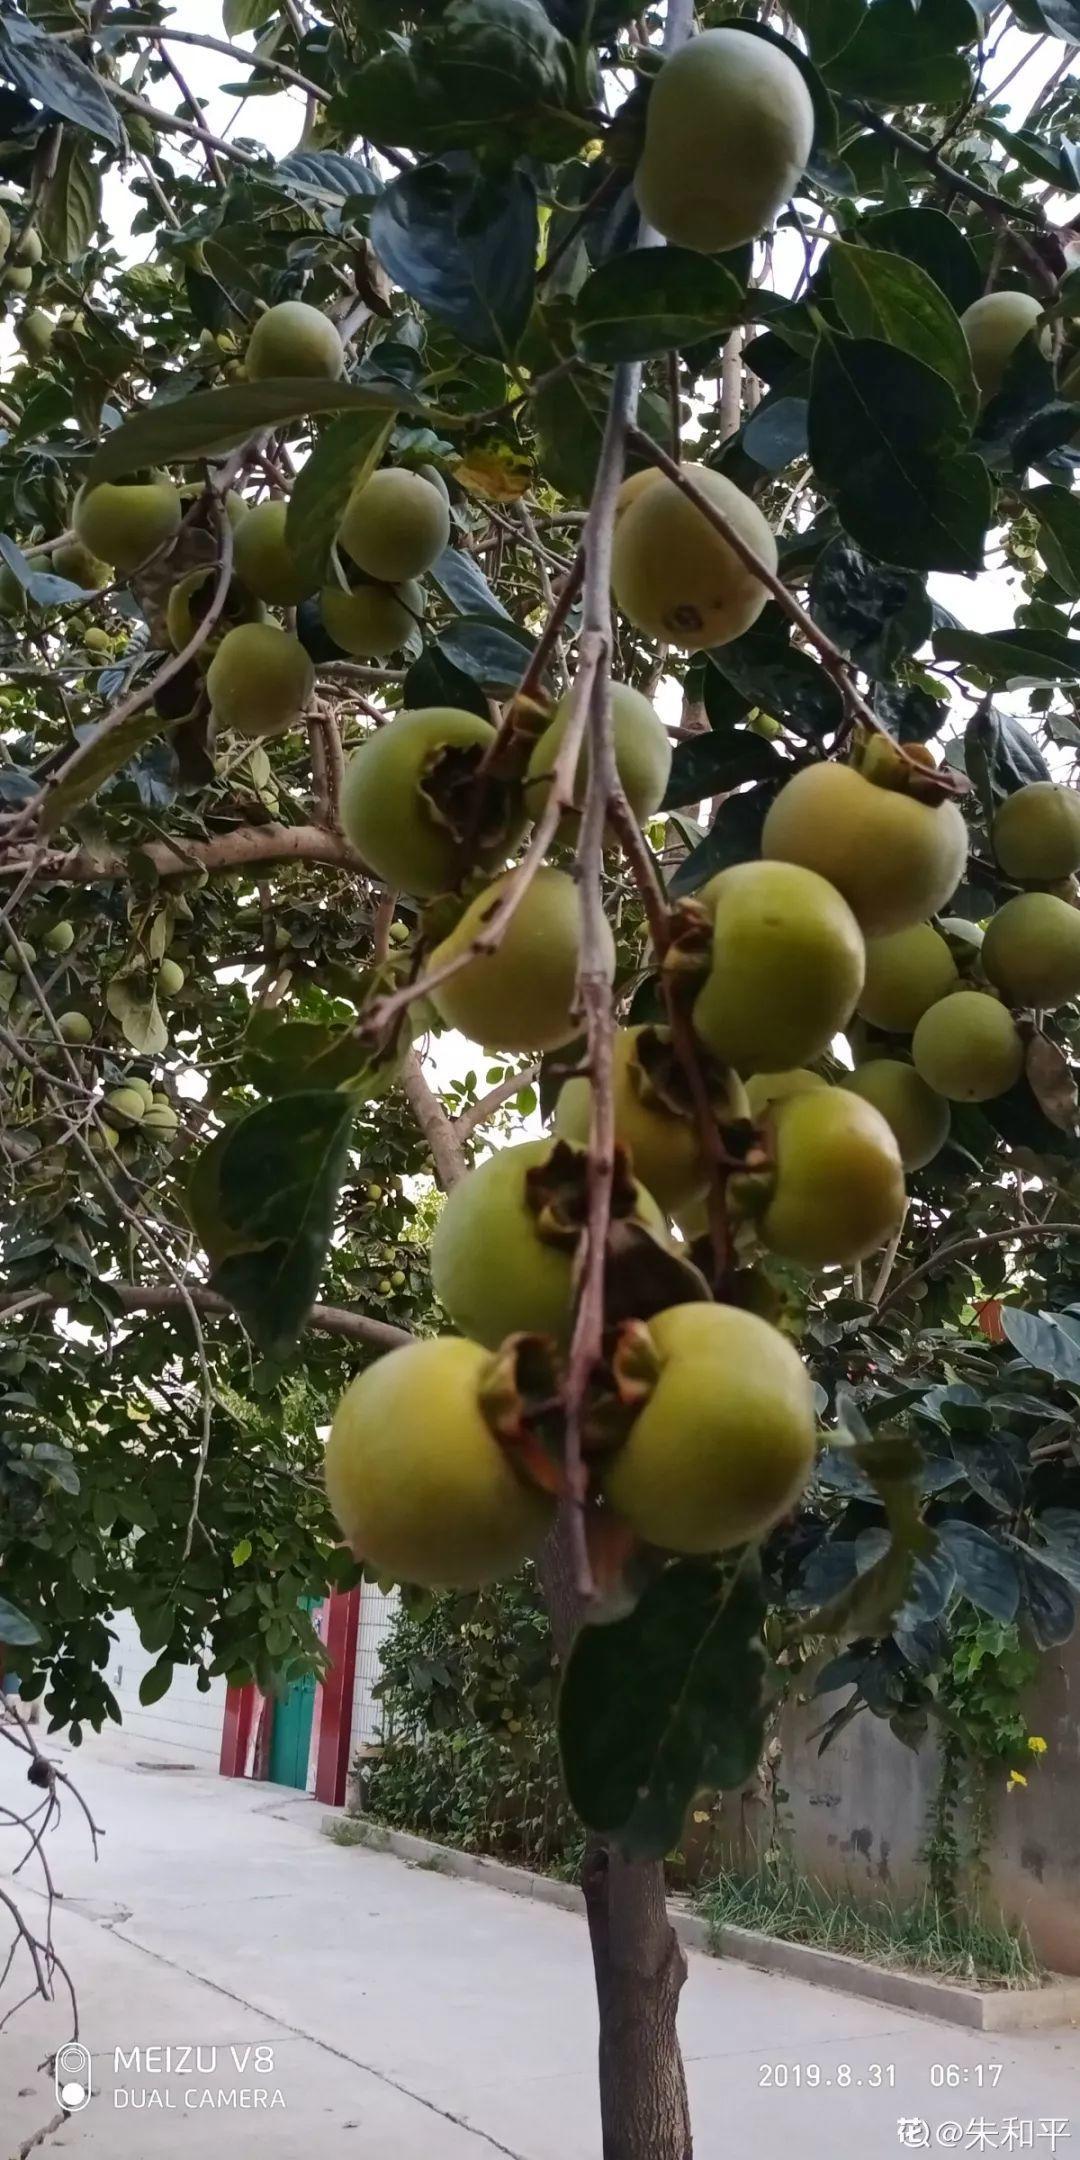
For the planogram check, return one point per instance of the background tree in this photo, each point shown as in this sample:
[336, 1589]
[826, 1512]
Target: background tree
[210, 1004]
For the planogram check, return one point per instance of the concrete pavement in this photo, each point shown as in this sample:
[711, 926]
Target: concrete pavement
[402, 2015]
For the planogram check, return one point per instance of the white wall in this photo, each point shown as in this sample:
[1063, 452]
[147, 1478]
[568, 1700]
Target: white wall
[376, 1612]
[184, 1722]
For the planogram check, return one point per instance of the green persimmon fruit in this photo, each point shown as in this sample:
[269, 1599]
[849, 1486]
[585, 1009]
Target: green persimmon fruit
[967, 1047]
[417, 1480]
[662, 1141]
[522, 995]
[763, 1088]
[729, 127]
[75, 1027]
[397, 826]
[127, 1105]
[994, 326]
[162, 1120]
[918, 1119]
[260, 680]
[371, 621]
[500, 1265]
[60, 937]
[896, 860]
[395, 526]
[786, 968]
[1036, 833]
[906, 972]
[18, 277]
[35, 333]
[28, 248]
[674, 576]
[642, 758]
[75, 561]
[838, 1181]
[1031, 951]
[263, 559]
[188, 602]
[170, 977]
[296, 340]
[123, 522]
[725, 1443]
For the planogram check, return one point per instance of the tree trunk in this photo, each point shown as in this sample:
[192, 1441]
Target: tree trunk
[640, 1969]
[637, 1959]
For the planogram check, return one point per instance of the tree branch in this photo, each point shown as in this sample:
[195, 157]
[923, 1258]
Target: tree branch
[1020, 1233]
[244, 846]
[164, 1297]
[447, 1147]
[478, 1113]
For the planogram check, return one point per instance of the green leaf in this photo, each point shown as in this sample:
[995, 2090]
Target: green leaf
[931, 239]
[50, 73]
[1058, 512]
[241, 1552]
[735, 837]
[1043, 1342]
[343, 458]
[262, 1201]
[985, 1572]
[132, 1001]
[713, 764]
[999, 754]
[885, 435]
[654, 300]
[327, 174]
[828, 25]
[464, 246]
[70, 205]
[907, 54]
[1041, 656]
[487, 653]
[183, 430]
[658, 1705]
[240, 15]
[876, 614]
[103, 753]
[879, 295]
[15, 1627]
[769, 671]
[156, 1683]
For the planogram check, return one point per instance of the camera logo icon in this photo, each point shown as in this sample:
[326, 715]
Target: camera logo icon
[72, 2076]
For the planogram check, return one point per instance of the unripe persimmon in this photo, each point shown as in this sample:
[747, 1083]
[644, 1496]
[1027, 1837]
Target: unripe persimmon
[728, 130]
[967, 1047]
[786, 969]
[260, 680]
[521, 996]
[660, 1136]
[642, 757]
[371, 621]
[397, 825]
[396, 525]
[294, 339]
[895, 859]
[263, 559]
[674, 576]
[838, 1183]
[1036, 833]
[918, 1119]
[906, 973]
[124, 522]
[1031, 951]
[994, 326]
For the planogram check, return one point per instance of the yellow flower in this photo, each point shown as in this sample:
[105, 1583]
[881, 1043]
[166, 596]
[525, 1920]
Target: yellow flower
[1036, 1746]
[1016, 1777]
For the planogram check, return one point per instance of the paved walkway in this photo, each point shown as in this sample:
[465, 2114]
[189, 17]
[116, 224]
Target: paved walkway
[403, 2015]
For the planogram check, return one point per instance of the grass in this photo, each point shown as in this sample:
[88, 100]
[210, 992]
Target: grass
[920, 1936]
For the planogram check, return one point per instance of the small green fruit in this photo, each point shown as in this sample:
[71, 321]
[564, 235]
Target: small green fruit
[385, 1286]
[522, 995]
[374, 1193]
[725, 1443]
[294, 339]
[60, 937]
[764, 1088]
[398, 1279]
[895, 859]
[994, 326]
[787, 966]
[838, 1186]
[260, 680]
[906, 973]
[967, 1047]
[35, 333]
[128, 1104]
[674, 576]
[395, 526]
[371, 621]
[502, 1259]
[75, 1027]
[1036, 833]
[1031, 951]
[729, 127]
[170, 978]
[418, 1482]
[97, 641]
[125, 522]
[642, 758]
[263, 559]
[918, 1119]
[398, 826]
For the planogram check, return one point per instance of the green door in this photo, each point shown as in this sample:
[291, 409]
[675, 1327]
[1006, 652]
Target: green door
[290, 1735]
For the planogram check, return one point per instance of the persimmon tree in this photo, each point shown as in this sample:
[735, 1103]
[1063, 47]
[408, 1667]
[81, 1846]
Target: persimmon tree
[478, 570]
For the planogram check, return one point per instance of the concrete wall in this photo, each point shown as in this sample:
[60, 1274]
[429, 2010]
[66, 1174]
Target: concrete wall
[857, 1815]
[185, 1722]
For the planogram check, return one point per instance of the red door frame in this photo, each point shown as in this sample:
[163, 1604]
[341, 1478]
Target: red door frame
[332, 1734]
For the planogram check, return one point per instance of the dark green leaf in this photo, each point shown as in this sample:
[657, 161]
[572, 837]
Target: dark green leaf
[325, 173]
[1000, 756]
[1058, 512]
[70, 205]
[986, 1572]
[713, 764]
[181, 431]
[105, 751]
[156, 1683]
[658, 1705]
[458, 575]
[1005, 656]
[876, 614]
[654, 300]
[343, 458]
[1041, 1342]
[1061, 1529]
[463, 245]
[903, 54]
[1048, 1604]
[15, 1627]
[263, 1199]
[486, 653]
[434, 680]
[908, 711]
[932, 240]
[1060, 17]
[735, 837]
[828, 25]
[880, 295]
[768, 671]
[49, 72]
[775, 435]
[885, 436]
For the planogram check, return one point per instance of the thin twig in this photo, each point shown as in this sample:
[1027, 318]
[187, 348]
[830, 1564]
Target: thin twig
[1021, 1233]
